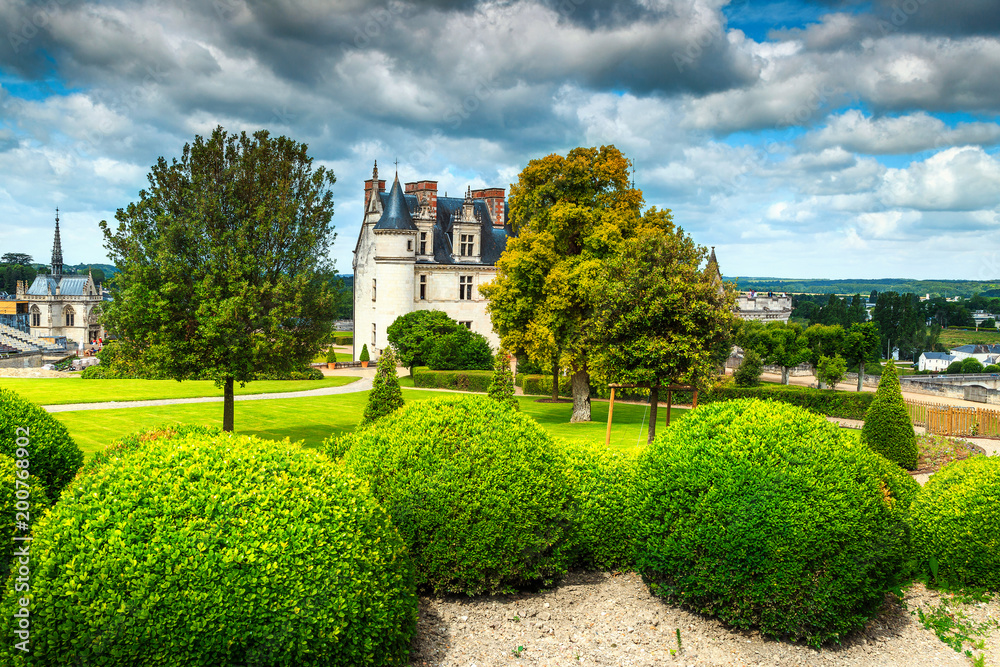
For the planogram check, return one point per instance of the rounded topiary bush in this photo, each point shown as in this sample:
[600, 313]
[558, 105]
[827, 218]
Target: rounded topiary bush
[600, 481]
[888, 429]
[122, 446]
[955, 521]
[768, 516]
[476, 489]
[52, 455]
[217, 551]
[23, 501]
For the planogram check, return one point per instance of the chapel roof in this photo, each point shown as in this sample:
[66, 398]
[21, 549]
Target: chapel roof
[68, 285]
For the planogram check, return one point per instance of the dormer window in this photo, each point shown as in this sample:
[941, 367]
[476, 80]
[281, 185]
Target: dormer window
[467, 245]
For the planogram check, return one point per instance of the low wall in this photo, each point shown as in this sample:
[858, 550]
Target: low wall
[23, 360]
[870, 380]
[944, 390]
[801, 370]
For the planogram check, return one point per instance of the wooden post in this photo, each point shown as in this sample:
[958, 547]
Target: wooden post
[611, 408]
[670, 400]
[694, 401]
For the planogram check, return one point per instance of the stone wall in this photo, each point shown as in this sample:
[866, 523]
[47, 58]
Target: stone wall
[870, 380]
[23, 360]
[945, 390]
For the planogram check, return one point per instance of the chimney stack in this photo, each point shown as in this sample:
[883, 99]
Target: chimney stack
[494, 198]
[426, 193]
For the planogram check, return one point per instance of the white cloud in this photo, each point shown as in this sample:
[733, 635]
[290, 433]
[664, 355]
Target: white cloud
[956, 179]
[854, 131]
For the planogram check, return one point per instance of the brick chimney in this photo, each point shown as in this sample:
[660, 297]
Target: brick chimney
[494, 202]
[370, 185]
[426, 193]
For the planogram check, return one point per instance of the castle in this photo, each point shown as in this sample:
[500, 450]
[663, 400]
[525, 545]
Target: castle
[61, 306]
[419, 251]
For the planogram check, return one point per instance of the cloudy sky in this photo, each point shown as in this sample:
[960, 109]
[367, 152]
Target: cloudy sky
[802, 138]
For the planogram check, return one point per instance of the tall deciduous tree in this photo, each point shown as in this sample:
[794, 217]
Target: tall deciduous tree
[570, 214]
[658, 318]
[787, 346]
[861, 346]
[223, 261]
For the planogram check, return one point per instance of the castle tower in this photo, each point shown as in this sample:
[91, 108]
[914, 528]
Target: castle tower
[57, 258]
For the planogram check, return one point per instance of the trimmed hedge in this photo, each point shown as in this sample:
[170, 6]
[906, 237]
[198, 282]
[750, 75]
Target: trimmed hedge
[343, 339]
[844, 404]
[955, 521]
[600, 480]
[26, 501]
[217, 552]
[53, 456]
[133, 441]
[477, 490]
[478, 381]
[541, 385]
[888, 429]
[766, 515]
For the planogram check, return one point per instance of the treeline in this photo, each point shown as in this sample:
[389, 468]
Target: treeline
[943, 288]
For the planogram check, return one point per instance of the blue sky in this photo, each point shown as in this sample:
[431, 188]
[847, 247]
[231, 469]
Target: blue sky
[821, 138]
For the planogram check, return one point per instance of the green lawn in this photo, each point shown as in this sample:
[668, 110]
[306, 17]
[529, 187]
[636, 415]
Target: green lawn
[954, 338]
[314, 419]
[73, 389]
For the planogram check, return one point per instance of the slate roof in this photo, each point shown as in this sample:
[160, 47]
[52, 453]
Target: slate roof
[396, 211]
[68, 285]
[493, 240]
[936, 355]
[978, 349]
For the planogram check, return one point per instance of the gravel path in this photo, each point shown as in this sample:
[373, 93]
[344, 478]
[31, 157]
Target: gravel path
[596, 618]
[363, 384]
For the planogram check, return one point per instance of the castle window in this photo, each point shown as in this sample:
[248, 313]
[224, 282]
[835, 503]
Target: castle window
[70, 317]
[423, 288]
[373, 289]
[409, 244]
[465, 288]
[466, 246]
[423, 243]
[36, 317]
[373, 334]
[467, 324]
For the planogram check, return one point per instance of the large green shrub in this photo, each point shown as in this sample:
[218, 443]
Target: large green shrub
[477, 490]
[749, 372]
[122, 446]
[971, 365]
[955, 521]
[460, 380]
[845, 404]
[219, 552]
[502, 383]
[600, 481]
[460, 349]
[385, 396]
[23, 501]
[768, 516]
[53, 456]
[992, 368]
[888, 429]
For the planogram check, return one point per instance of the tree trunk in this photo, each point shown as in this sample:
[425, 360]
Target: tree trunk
[227, 407]
[555, 380]
[784, 375]
[861, 375]
[581, 397]
[654, 401]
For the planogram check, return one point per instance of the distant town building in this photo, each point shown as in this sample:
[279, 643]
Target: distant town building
[61, 306]
[935, 362]
[419, 251]
[984, 353]
[761, 306]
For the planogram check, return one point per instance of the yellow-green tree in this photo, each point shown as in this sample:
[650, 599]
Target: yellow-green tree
[570, 213]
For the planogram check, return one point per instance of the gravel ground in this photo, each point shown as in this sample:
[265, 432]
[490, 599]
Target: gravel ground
[597, 618]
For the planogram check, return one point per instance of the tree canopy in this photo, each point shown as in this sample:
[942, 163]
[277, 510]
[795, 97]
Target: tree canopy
[570, 213]
[224, 261]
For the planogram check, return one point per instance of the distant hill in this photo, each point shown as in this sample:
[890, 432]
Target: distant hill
[109, 269]
[963, 288]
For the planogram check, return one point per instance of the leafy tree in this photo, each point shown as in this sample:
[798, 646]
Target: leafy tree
[954, 368]
[659, 319]
[502, 386]
[415, 334]
[992, 368]
[834, 312]
[856, 313]
[825, 340]
[989, 323]
[831, 370]
[971, 365]
[888, 429]
[10, 274]
[748, 374]
[223, 261]
[570, 213]
[386, 396]
[861, 346]
[786, 346]
[460, 349]
[16, 258]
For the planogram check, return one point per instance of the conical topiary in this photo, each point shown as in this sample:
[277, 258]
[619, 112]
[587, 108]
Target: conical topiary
[502, 385]
[385, 396]
[888, 429]
[364, 353]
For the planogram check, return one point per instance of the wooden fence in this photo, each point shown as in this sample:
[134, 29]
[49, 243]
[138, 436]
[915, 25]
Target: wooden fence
[952, 420]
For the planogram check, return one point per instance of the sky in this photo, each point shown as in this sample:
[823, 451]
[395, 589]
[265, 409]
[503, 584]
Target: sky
[801, 138]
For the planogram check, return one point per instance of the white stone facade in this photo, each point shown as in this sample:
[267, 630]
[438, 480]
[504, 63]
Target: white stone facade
[433, 255]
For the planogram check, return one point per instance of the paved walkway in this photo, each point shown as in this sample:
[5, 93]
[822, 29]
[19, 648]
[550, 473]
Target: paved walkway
[363, 384]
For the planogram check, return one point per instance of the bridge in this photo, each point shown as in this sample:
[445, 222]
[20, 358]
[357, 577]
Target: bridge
[980, 387]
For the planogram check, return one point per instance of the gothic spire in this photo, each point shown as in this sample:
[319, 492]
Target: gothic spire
[57, 258]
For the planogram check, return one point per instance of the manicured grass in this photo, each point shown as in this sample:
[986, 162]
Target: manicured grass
[954, 337]
[314, 419]
[60, 391]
